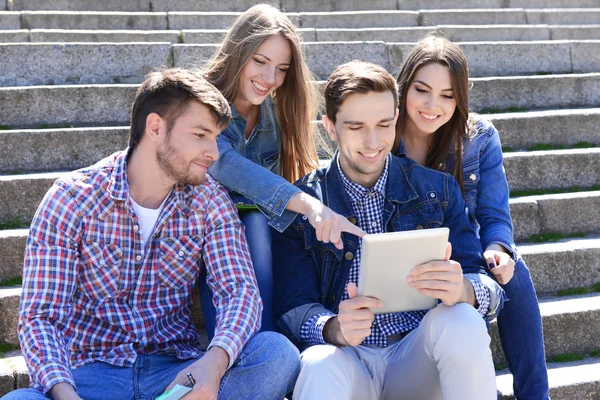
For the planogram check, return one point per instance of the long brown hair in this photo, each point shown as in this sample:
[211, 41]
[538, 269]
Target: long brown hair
[435, 48]
[296, 100]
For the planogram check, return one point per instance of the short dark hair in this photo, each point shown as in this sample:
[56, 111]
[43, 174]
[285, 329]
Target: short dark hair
[356, 77]
[168, 93]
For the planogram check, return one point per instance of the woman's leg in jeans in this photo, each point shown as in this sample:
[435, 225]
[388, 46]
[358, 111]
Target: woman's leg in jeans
[520, 328]
[258, 234]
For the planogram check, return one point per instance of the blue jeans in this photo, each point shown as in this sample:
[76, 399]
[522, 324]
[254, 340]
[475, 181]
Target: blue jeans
[258, 234]
[266, 369]
[520, 328]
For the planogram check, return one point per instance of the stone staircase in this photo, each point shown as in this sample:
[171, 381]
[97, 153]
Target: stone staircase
[70, 69]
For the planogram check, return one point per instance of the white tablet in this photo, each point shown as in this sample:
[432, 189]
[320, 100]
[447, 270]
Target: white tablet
[387, 259]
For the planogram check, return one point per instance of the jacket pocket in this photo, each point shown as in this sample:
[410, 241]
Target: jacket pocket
[178, 266]
[471, 178]
[100, 270]
[424, 215]
[270, 160]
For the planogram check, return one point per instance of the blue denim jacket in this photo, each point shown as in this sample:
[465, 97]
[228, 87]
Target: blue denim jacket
[311, 275]
[250, 170]
[486, 189]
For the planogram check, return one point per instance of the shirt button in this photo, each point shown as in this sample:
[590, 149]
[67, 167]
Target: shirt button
[304, 217]
[373, 224]
[472, 177]
[352, 220]
[432, 195]
[332, 298]
[181, 253]
[349, 256]
[419, 226]
[138, 257]
[136, 227]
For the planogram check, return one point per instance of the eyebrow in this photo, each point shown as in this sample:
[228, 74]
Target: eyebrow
[203, 129]
[362, 123]
[262, 55]
[424, 84]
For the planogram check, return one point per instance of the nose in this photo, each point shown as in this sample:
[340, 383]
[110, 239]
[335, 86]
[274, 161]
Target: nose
[269, 75]
[212, 151]
[430, 103]
[371, 139]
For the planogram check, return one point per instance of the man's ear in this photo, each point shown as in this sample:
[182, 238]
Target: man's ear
[329, 127]
[154, 126]
[396, 116]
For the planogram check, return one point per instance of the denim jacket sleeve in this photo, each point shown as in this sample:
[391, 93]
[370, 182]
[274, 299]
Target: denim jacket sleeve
[297, 290]
[269, 191]
[493, 211]
[466, 248]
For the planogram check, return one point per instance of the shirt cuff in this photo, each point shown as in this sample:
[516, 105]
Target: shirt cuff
[50, 374]
[230, 342]
[482, 295]
[311, 332]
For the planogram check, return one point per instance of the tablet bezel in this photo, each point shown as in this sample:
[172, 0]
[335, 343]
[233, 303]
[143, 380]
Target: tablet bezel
[383, 268]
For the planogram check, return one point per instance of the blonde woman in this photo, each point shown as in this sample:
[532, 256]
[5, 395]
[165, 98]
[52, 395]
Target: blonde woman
[261, 71]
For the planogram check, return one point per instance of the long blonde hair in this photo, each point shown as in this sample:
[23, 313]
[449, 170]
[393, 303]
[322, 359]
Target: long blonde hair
[296, 100]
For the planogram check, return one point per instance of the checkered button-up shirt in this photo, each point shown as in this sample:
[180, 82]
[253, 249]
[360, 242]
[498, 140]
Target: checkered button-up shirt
[368, 206]
[93, 292]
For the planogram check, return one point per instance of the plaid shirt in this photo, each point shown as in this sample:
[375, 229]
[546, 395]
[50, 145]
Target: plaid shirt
[368, 205]
[93, 292]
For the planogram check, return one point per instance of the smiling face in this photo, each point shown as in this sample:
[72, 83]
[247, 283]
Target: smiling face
[430, 100]
[364, 132]
[187, 151]
[264, 72]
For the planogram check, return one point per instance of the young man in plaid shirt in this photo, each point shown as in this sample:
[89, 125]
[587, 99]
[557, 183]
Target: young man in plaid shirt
[351, 353]
[112, 256]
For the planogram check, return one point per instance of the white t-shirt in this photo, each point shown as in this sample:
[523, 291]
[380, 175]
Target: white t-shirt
[147, 218]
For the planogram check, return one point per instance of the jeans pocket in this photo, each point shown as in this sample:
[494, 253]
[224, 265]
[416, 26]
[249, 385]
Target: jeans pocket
[100, 268]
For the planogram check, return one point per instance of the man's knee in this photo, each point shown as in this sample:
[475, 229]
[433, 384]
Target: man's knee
[276, 351]
[458, 330]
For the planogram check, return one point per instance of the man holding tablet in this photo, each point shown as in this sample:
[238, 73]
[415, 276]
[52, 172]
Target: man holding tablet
[353, 352]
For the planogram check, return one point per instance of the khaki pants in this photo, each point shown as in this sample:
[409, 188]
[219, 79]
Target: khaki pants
[447, 357]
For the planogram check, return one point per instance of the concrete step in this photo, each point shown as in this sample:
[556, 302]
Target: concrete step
[388, 18]
[115, 36]
[12, 248]
[71, 148]
[568, 381]
[108, 105]
[290, 5]
[570, 324]
[553, 169]
[51, 64]
[569, 263]
[457, 33]
[579, 380]
[93, 20]
[556, 127]
[91, 105]
[566, 213]
[89, 63]
[554, 267]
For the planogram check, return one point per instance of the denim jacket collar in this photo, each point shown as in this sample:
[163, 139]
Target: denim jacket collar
[398, 187]
[266, 121]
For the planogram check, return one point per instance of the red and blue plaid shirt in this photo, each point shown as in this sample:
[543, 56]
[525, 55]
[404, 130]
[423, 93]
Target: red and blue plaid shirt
[93, 292]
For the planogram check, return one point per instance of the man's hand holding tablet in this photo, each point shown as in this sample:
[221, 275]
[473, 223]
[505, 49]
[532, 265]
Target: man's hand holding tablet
[442, 280]
[353, 323]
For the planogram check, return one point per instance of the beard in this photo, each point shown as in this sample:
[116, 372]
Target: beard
[174, 166]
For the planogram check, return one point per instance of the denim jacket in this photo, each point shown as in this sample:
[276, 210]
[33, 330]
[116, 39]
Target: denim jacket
[250, 170]
[486, 189]
[311, 275]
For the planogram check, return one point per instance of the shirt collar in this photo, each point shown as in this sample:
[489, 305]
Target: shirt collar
[356, 191]
[265, 120]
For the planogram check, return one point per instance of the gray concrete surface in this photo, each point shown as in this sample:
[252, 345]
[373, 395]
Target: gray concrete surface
[93, 20]
[98, 35]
